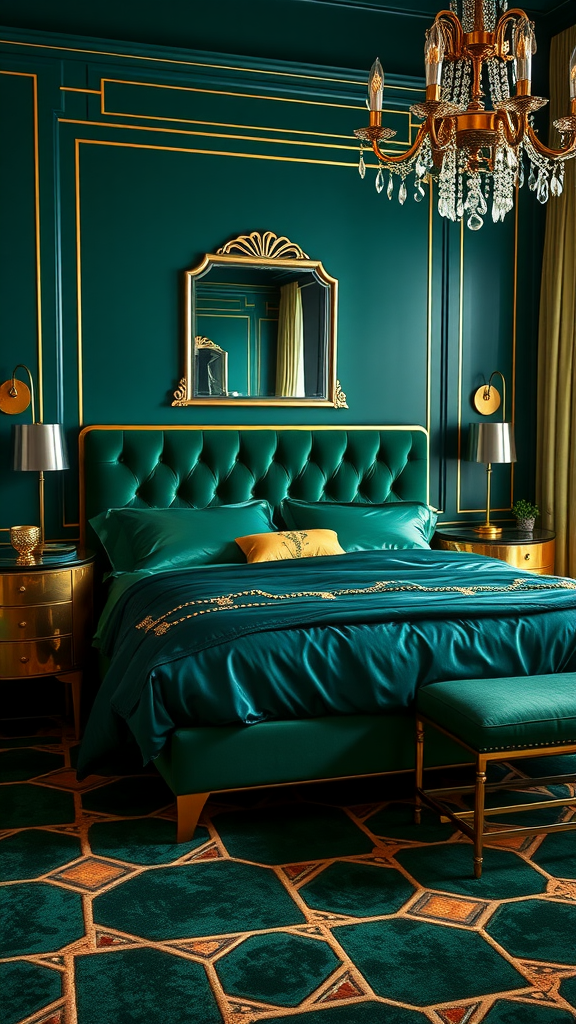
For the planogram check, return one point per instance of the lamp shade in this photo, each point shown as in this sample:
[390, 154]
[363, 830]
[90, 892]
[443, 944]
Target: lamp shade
[491, 442]
[39, 446]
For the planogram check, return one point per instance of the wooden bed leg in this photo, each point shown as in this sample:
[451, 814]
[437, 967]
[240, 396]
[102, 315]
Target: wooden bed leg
[189, 810]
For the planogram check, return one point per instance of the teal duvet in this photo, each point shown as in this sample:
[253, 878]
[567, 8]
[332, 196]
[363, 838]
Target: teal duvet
[349, 634]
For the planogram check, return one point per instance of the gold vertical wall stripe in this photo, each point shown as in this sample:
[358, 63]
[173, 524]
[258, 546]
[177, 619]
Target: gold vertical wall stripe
[38, 260]
[514, 329]
[40, 382]
[460, 346]
[429, 306]
[79, 284]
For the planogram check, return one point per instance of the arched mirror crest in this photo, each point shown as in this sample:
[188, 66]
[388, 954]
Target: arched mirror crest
[260, 327]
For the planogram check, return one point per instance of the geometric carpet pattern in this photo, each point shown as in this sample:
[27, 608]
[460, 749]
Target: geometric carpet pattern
[314, 905]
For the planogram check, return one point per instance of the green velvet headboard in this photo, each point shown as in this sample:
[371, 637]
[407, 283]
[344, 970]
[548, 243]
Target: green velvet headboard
[200, 466]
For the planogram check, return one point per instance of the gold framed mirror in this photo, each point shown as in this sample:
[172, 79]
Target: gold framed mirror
[260, 327]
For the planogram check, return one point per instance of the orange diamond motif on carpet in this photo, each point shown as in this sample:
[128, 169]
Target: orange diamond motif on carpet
[91, 874]
[447, 908]
[457, 1014]
[345, 988]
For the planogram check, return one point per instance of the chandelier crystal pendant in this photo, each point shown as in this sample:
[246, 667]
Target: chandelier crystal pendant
[478, 151]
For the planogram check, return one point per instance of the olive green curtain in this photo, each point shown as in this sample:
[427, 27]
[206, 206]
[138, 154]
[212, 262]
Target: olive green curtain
[290, 349]
[556, 420]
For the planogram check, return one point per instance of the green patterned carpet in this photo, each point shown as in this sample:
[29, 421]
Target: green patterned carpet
[324, 905]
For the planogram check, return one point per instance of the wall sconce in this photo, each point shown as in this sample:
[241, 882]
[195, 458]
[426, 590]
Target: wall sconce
[38, 447]
[490, 442]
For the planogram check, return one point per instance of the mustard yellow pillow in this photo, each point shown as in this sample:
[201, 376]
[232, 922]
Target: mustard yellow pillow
[271, 547]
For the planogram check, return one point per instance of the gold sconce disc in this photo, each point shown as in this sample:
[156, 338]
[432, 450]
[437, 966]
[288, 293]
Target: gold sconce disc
[14, 403]
[486, 400]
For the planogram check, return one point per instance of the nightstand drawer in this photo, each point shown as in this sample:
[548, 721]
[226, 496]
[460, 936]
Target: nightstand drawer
[32, 622]
[35, 587]
[530, 556]
[36, 658]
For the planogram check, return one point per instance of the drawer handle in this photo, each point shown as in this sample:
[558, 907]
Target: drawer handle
[22, 625]
[527, 558]
[24, 659]
[22, 589]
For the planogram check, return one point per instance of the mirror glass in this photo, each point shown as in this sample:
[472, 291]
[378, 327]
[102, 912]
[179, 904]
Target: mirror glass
[260, 328]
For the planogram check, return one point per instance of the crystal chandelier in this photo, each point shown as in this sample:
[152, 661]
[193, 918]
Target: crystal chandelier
[478, 153]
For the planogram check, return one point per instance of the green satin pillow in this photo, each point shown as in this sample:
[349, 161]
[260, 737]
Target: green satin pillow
[361, 527]
[173, 538]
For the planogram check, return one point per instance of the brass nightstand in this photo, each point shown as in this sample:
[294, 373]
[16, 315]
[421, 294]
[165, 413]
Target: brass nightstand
[533, 551]
[46, 618]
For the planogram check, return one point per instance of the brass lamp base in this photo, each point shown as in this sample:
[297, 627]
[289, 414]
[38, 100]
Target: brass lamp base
[488, 530]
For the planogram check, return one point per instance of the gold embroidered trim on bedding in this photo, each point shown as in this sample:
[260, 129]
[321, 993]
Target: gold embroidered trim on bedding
[226, 602]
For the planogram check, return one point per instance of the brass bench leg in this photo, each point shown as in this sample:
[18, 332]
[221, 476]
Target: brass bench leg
[479, 815]
[419, 770]
[189, 809]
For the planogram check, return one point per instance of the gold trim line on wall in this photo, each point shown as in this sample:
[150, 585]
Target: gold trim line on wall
[223, 135]
[198, 64]
[169, 149]
[38, 260]
[459, 508]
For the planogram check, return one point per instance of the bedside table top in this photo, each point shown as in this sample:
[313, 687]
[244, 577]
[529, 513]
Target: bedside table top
[58, 556]
[509, 535]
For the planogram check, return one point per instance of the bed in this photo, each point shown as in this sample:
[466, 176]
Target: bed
[234, 676]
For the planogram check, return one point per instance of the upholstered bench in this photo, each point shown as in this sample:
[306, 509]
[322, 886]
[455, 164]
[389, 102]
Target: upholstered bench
[498, 719]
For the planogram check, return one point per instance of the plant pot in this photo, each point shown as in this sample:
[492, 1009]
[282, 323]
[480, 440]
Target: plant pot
[526, 525]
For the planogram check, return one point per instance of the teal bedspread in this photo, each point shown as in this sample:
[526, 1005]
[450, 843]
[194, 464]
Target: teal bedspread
[349, 634]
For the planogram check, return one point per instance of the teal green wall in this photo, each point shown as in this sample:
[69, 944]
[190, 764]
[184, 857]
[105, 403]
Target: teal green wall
[101, 212]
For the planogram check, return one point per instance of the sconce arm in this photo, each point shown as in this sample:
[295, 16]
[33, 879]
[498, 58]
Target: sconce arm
[14, 390]
[501, 375]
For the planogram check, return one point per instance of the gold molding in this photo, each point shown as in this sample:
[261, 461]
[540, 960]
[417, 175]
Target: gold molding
[214, 92]
[198, 64]
[170, 149]
[70, 88]
[269, 245]
[38, 262]
[459, 508]
[213, 135]
[429, 303]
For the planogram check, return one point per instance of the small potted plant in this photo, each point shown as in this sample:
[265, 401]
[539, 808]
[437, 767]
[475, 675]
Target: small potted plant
[525, 513]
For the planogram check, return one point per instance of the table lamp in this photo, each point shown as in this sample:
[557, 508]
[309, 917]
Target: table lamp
[38, 447]
[489, 443]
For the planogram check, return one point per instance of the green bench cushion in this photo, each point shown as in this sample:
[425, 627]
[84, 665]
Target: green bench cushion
[505, 714]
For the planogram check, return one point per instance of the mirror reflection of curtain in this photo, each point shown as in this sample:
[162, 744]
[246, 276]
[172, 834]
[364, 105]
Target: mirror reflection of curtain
[290, 357]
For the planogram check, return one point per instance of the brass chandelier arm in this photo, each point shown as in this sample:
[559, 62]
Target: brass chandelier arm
[451, 25]
[400, 157]
[552, 154]
[434, 135]
[503, 22]
[513, 137]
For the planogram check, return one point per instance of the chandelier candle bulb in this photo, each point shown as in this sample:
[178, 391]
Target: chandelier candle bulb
[474, 133]
[433, 59]
[524, 47]
[376, 86]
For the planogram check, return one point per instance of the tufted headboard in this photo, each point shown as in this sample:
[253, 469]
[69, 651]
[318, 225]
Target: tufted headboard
[200, 466]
